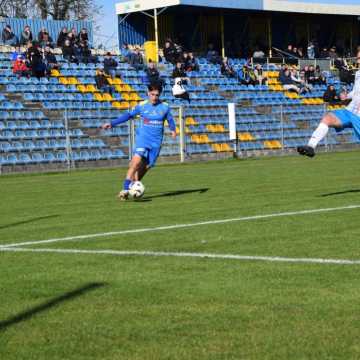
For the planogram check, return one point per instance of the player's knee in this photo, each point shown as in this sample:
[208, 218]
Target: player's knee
[328, 120]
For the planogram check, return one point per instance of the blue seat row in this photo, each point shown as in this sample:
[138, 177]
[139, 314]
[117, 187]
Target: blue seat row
[34, 134]
[32, 124]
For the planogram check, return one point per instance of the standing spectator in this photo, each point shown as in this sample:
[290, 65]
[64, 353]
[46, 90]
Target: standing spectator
[102, 83]
[20, 68]
[330, 96]
[226, 69]
[110, 65]
[170, 53]
[179, 72]
[311, 50]
[191, 63]
[212, 55]
[8, 37]
[35, 59]
[26, 35]
[333, 54]
[300, 52]
[68, 52]
[62, 37]
[259, 75]
[153, 75]
[136, 60]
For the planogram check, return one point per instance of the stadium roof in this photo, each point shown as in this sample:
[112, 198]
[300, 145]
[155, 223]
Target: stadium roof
[338, 7]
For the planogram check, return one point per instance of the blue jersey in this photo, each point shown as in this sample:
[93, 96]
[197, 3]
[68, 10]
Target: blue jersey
[153, 116]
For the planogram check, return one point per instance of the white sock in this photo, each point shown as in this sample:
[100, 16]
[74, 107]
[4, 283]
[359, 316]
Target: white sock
[318, 135]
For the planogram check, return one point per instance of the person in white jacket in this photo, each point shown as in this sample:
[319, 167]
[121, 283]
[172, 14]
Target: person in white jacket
[338, 119]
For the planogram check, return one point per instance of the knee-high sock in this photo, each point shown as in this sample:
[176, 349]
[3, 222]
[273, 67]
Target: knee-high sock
[318, 135]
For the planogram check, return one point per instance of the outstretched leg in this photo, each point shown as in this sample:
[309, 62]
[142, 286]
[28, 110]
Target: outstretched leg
[329, 120]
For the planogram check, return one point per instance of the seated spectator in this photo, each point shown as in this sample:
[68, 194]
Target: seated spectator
[288, 83]
[226, 69]
[153, 75]
[35, 60]
[258, 54]
[20, 68]
[330, 95]
[8, 37]
[170, 53]
[84, 53]
[332, 53]
[72, 38]
[83, 36]
[179, 91]
[191, 63]
[26, 35]
[300, 52]
[125, 52]
[136, 60]
[259, 75]
[102, 83]
[46, 40]
[179, 72]
[50, 60]
[319, 76]
[41, 34]
[212, 55]
[324, 53]
[110, 66]
[62, 37]
[247, 76]
[69, 53]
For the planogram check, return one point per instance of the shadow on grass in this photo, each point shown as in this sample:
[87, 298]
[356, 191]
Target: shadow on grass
[174, 193]
[27, 314]
[27, 221]
[353, 191]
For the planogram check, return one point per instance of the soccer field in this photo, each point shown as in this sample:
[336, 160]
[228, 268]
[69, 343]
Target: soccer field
[84, 276]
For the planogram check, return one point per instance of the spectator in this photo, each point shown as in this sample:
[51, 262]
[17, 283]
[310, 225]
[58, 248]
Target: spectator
[258, 54]
[14, 55]
[153, 75]
[136, 60]
[50, 60]
[333, 54]
[191, 63]
[330, 96]
[26, 35]
[170, 53]
[319, 77]
[62, 37]
[324, 53]
[69, 53]
[259, 75]
[83, 35]
[20, 68]
[288, 82]
[41, 34]
[35, 59]
[179, 72]
[84, 53]
[300, 52]
[125, 52]
[179, 91]
[300, 81]
[212, 55]
[311, 50]
[72, 38]
[102, 83]
[8, 37]
[247, 76]
[110, 66]
[226, 69]
[46, 40]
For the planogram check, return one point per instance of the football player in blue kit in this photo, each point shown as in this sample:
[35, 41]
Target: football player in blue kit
[149, 136]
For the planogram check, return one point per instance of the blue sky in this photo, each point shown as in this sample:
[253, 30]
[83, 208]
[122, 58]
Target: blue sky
[106, 21]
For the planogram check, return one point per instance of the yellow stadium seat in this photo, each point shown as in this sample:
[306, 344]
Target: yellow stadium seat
[91, 88]
[55, 72]
[63, 80]
[98, 97]
[72, 81]
[81, 88]
[107, 97]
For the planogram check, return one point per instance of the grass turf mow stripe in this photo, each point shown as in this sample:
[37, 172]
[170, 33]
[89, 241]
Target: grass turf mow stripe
[179, 226]
[188, 255]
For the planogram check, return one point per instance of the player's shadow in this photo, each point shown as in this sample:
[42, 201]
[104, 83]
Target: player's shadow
[27, 314]
[6, 226]
[351, 191]
[175, 193]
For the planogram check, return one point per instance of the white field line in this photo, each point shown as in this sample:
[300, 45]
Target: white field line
[181, 226]
[188, 255]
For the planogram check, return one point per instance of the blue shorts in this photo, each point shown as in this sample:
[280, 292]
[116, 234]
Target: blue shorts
[348, 120]
[150, 155]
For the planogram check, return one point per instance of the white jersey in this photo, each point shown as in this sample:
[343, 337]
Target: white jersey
[354, 95]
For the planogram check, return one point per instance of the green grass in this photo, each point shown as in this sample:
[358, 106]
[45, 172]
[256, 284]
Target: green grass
[184, 308]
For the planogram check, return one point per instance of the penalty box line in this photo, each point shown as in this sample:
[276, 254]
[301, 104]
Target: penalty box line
[180, 226]
[188, 255]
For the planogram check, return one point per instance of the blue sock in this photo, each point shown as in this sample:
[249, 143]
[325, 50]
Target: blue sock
[127, 183]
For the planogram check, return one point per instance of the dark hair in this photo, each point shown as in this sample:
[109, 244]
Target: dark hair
[155, 86]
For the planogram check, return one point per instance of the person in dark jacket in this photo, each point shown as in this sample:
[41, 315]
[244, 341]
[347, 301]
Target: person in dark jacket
[110, 65]
[83, 35]
[50, 60]
[62, 37]
[26, 35]
[35, 59]
[330, 95]
[170, 53]
[226, 69]
[102, 83]
[153, 75]
[8, 36]
[69, 53]
[136, 60]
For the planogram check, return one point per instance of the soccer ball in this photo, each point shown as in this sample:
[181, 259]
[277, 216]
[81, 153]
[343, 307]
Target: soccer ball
[137, 189]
